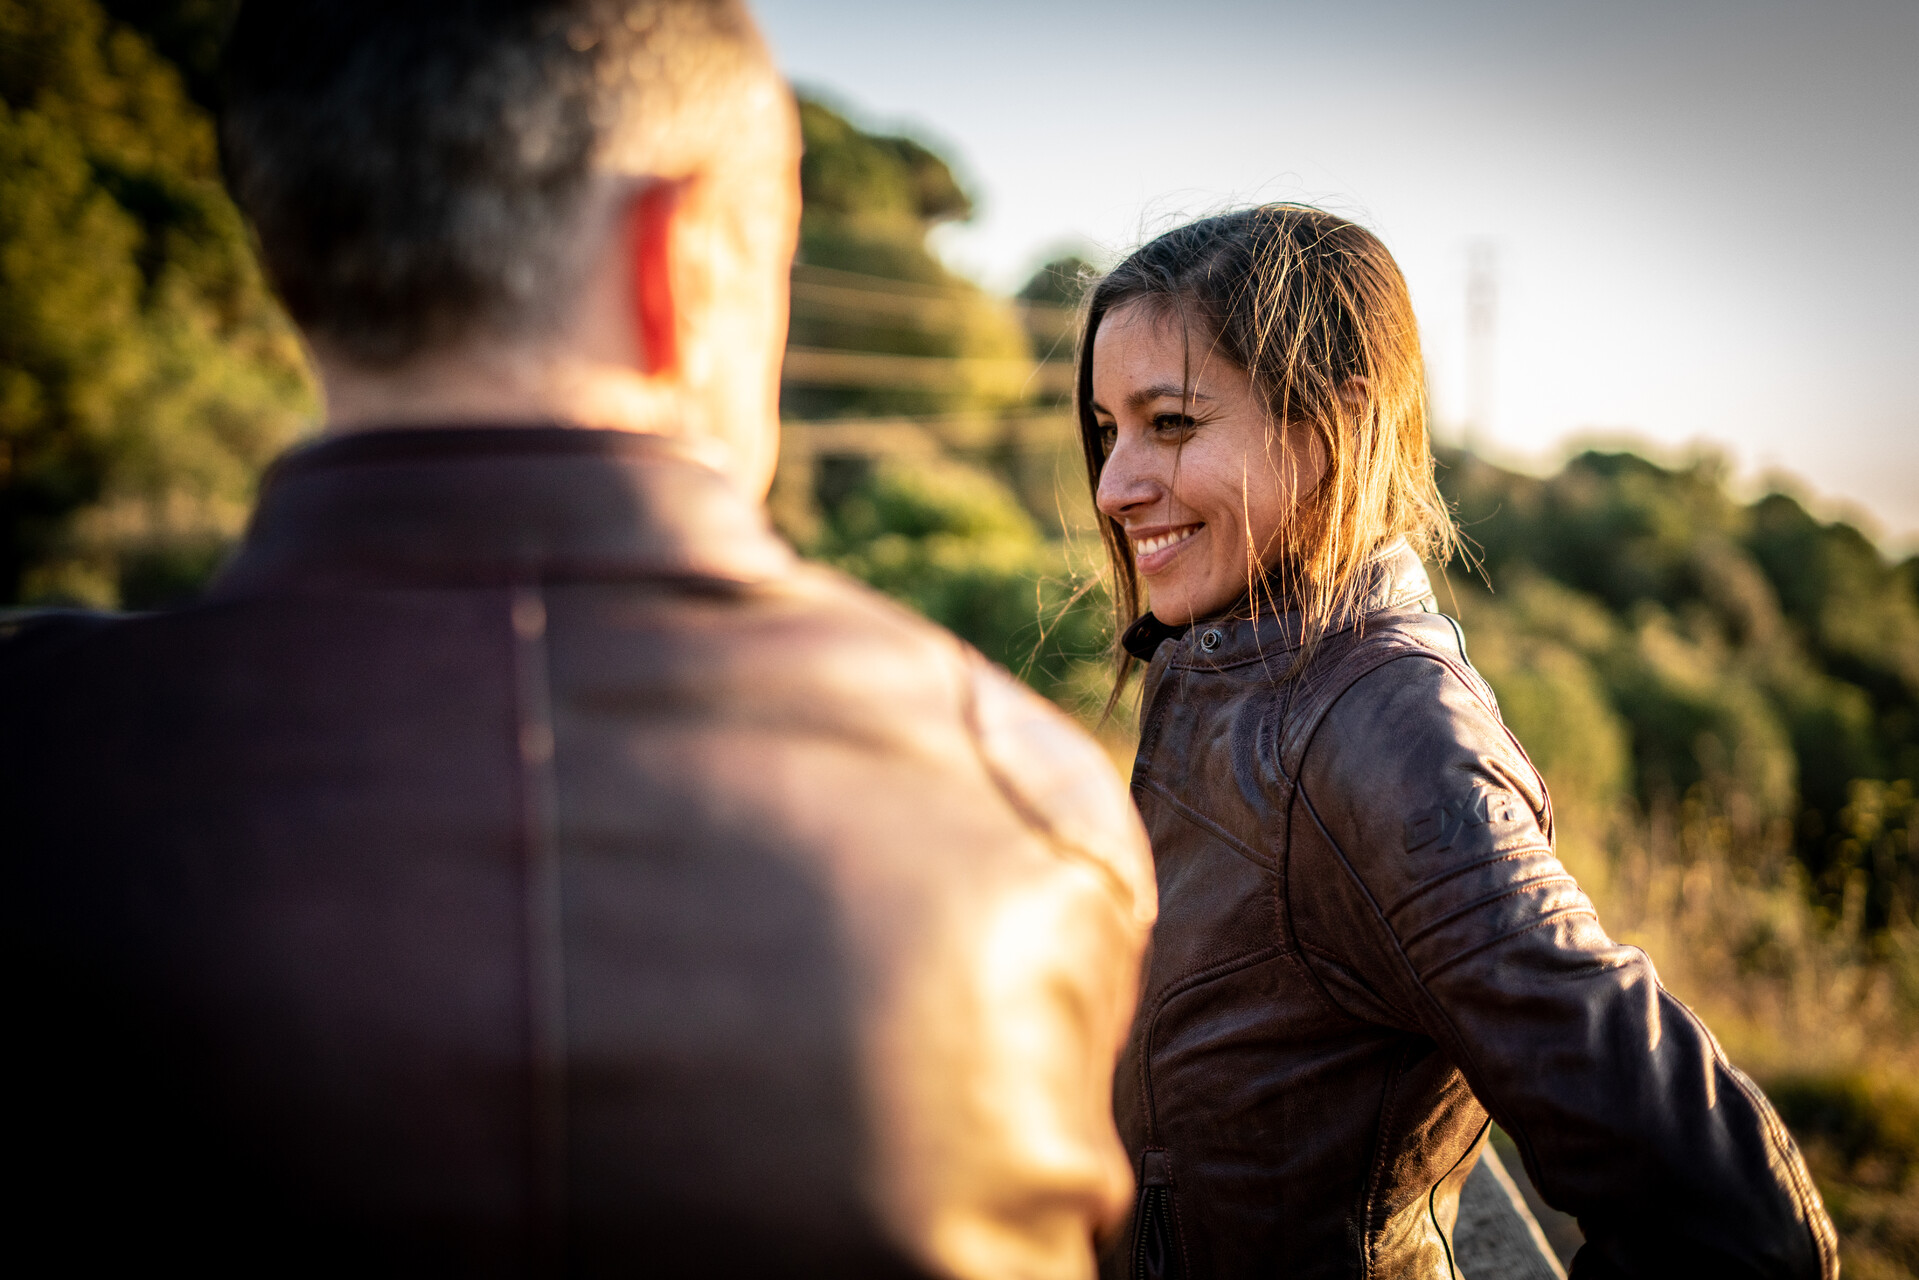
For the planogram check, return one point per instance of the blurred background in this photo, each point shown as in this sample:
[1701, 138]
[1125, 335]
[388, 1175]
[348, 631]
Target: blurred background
[1664, 258]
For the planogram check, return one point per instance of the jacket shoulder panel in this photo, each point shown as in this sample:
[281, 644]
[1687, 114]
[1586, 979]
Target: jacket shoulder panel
[1060, 782]
[1350, 657]
[1054, 777]
[1440, 819]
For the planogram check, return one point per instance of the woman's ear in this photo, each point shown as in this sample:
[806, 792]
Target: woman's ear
[1355, 398]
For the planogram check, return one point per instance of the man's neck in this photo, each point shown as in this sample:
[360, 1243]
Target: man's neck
[503, 385]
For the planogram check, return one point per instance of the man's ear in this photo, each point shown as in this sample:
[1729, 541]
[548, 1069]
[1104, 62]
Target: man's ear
[652, 216]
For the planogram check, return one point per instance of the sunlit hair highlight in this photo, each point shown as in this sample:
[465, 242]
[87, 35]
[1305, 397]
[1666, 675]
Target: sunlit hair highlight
[1309, 304]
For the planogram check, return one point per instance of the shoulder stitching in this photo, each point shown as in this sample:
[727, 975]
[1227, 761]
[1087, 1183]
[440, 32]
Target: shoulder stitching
[1211, 828]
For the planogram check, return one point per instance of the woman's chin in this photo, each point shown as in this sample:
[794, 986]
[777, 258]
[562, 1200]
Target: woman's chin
[1176, 606]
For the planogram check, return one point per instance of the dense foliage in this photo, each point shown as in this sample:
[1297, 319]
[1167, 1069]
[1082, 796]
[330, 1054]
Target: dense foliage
[1661, 642]
[954, 542]
[146, 374]
[870, 201]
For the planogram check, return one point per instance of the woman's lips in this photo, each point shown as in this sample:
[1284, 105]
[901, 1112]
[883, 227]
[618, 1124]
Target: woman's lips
[1154, 551]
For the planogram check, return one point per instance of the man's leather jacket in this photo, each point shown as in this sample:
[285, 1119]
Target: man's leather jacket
[520, 864]
[1365, 945]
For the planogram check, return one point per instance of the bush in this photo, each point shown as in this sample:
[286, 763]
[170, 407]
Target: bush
[1860, 1134]
[146, 373]
[1764, 664]
[952, 541]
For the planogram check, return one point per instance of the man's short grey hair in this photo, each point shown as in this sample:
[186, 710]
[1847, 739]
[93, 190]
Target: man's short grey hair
[417, 171]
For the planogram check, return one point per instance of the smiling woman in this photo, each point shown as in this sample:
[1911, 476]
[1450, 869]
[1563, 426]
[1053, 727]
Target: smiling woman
[1196, 477]
[1253, 412]
[1366, 944]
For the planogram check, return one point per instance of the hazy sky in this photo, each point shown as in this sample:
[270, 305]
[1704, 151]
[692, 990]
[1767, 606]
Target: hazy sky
[1705, 213]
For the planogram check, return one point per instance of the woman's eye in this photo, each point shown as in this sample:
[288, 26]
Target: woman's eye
[1108, 437]
[1174, 423]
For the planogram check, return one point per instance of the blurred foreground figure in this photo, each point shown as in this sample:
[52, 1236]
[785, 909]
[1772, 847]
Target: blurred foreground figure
[518, 863]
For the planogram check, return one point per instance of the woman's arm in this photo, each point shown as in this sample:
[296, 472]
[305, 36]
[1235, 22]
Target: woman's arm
[1440, 889]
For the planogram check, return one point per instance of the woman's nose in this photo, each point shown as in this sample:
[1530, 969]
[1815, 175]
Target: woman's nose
[1124, 485]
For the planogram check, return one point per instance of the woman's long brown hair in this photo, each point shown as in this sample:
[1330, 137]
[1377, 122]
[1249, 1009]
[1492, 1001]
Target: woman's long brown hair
[1314, 308]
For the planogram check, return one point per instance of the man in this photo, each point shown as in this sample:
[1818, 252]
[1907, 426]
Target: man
[518, 862]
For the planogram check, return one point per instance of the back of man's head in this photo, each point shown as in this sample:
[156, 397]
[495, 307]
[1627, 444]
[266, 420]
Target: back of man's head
[428, 175]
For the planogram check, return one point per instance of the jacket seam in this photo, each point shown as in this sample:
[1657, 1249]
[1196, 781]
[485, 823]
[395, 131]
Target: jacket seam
[1190, 982]
[1205, 823]
[1369, 1204]
[1463, 1050]
[1427, 886]
[1331, 958]
[1393, 653]
[1283, 908]
[1514, 890]
[1283, 917]
[1551, 917]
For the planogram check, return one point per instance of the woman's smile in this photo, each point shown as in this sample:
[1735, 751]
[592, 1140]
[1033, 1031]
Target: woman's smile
[1155, 547]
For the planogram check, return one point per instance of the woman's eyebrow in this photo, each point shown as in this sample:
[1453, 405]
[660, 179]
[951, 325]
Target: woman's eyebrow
[1172, 391]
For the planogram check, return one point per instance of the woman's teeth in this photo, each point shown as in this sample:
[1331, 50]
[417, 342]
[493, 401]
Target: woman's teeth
[1159, 542]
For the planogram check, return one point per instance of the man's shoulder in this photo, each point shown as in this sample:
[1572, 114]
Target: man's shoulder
[29, 637]
[864, 612]
[1062, 783]
[1046, 768]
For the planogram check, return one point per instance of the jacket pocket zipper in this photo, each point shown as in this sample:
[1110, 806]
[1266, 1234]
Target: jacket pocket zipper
[1156, 1252]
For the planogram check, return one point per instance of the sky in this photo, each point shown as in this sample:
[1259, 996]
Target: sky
[1702, 215]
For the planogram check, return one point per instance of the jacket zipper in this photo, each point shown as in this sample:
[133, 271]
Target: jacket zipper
[1156, 1247]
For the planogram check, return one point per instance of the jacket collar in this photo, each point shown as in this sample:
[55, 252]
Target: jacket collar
[1395, 579]
[499, 504]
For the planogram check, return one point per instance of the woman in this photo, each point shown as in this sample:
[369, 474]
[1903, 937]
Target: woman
[1365, 942]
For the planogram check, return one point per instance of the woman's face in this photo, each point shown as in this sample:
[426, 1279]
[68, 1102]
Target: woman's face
[1196, 473]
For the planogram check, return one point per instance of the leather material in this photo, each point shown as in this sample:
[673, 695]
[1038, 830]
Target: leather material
[1365, 944]
[519, 863]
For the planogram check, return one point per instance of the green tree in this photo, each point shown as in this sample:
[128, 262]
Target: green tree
[867, 282]
[1764, 664]
[952, 541]
[1059, 282]
[146, 373]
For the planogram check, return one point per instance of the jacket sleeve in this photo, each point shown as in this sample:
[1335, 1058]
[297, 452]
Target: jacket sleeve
[1446, 899]
[999, 1122]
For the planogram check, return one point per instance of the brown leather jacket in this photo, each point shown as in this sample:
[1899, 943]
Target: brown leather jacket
[520, 864]
[1365, 944]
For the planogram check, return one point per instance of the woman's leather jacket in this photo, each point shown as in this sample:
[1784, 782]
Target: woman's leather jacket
[1365, 945]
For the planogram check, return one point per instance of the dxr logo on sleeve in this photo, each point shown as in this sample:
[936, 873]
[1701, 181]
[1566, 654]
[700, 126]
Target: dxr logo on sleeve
[1439, 827]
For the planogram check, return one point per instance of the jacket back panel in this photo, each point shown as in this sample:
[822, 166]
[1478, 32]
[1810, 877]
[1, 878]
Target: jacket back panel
[512, 921]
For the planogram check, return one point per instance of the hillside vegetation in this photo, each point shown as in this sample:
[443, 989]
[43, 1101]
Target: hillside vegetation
[146, 373]
[1723, 695]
